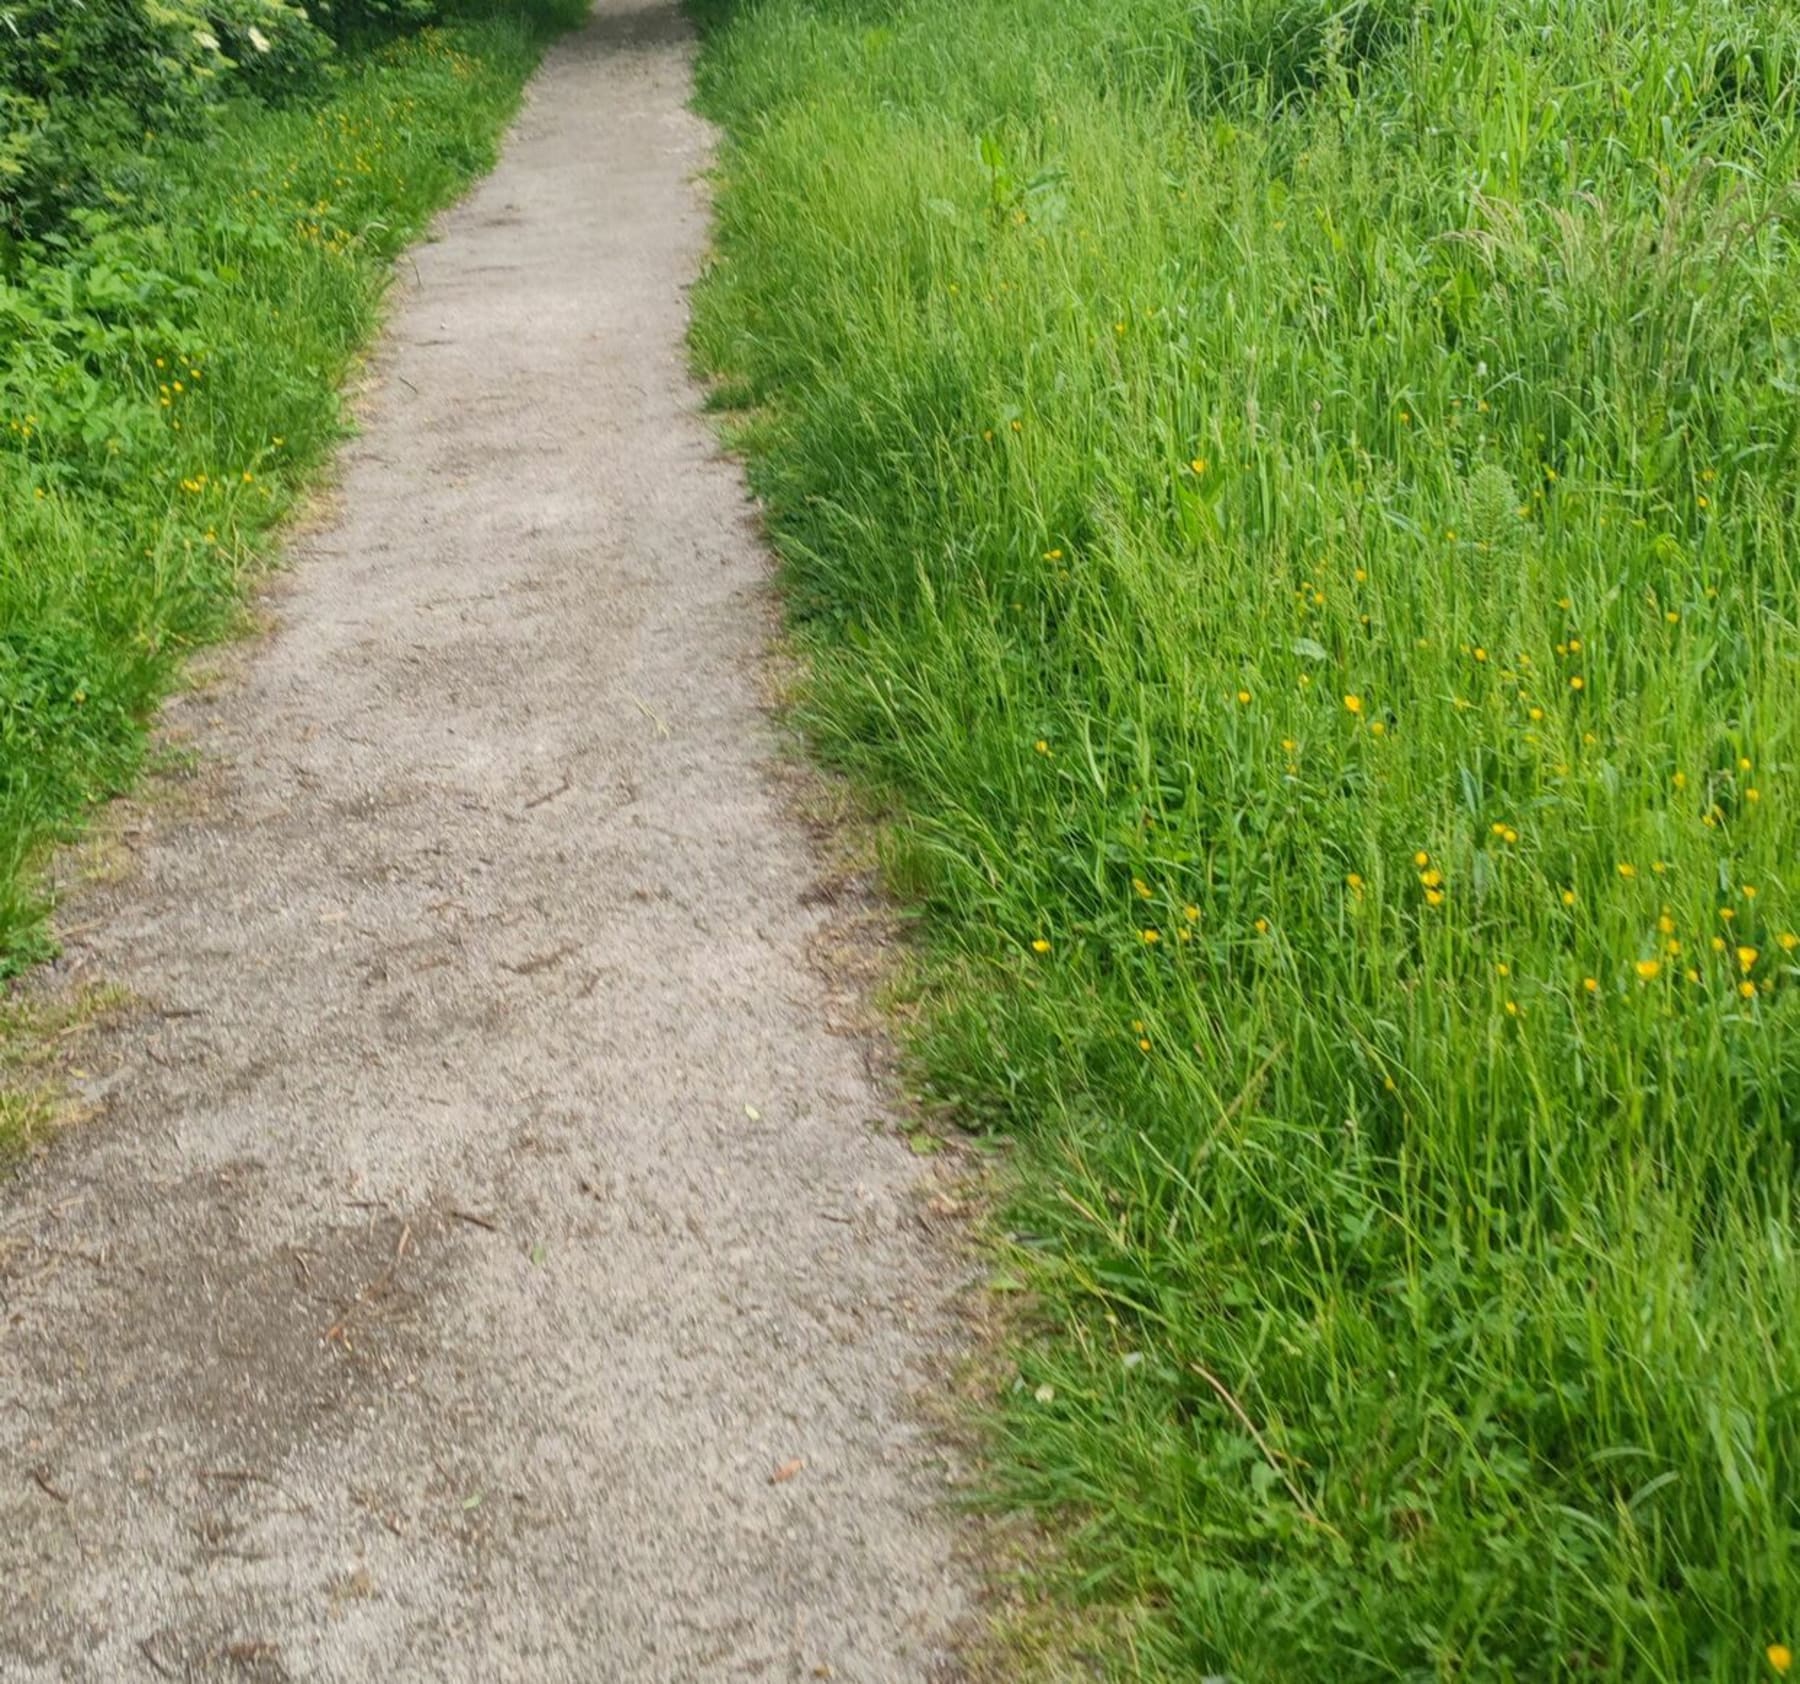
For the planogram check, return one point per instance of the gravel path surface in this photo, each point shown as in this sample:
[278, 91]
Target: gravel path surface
[486, 1263]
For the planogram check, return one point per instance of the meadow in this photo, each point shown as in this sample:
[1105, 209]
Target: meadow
[1289, 506]
[178, 311]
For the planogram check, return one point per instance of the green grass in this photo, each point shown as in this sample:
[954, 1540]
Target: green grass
[169, 376]
[1294, 508]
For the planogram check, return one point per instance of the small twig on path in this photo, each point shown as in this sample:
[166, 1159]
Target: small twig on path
[550, 795]
[41, 1479]
[541, 961]
[650, 713]
[470, 1216]
[149, 1654]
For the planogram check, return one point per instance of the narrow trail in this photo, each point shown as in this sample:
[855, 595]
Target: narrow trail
[481, 1213]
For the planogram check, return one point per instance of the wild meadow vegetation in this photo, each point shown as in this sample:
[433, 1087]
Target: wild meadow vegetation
[1293, 505]
[199, 208]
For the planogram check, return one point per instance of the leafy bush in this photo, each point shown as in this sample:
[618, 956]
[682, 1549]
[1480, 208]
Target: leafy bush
[83, 81]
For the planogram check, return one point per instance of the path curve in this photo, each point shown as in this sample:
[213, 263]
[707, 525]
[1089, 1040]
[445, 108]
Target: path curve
[483, 1216]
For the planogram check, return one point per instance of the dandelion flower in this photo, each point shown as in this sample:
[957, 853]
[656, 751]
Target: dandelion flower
[1041, 945]
[1627, 869]
[1647, 969]
[1746, 958]
[1577, 682]
[1152, 937]
[1780, 1657]
[1353, 704]
[1243, 697]
[1591, 984]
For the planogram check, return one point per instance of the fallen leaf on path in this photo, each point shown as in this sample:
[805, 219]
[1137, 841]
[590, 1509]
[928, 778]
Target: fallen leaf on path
[787, 1470]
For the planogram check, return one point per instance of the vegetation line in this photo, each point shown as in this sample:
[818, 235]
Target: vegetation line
[1292, 505]
[199, 209]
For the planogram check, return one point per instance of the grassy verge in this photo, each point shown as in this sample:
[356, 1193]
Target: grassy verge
[169, 374]
[1295, 508]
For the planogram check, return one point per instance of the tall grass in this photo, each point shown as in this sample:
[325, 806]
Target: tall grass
[1295, 506]
[169, 372]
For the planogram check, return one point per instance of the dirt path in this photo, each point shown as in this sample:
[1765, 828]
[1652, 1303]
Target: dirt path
[483, 1213]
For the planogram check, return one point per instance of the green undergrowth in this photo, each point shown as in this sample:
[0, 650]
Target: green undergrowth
[171, 352]
[1293, 505]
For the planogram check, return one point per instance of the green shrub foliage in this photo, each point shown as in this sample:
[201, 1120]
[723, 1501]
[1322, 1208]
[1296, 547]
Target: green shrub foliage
[84, 84]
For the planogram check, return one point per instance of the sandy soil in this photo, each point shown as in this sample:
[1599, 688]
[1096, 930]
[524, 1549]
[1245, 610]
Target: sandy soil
[486, 1264]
